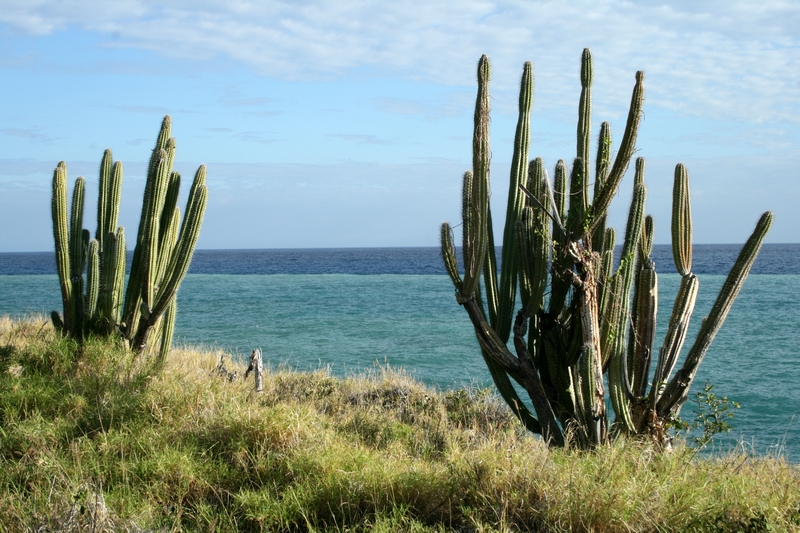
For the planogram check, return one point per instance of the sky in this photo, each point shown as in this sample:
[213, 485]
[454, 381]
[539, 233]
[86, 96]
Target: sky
[348, 123]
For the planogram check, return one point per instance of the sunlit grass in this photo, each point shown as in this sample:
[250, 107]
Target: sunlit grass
[93, 440]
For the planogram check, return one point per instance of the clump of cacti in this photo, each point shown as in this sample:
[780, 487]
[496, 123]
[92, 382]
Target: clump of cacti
[164, 246]
[579, 326]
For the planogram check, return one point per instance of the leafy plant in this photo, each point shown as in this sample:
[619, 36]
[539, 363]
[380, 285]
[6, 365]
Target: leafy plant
[712, 414]
[164, 248]
[583, 320]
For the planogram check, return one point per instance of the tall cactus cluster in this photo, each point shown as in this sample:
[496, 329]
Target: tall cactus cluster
[584, 321]
[144, 313]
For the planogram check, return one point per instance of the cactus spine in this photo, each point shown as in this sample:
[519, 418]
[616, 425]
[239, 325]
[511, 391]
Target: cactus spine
[161, 258]
[597, 319]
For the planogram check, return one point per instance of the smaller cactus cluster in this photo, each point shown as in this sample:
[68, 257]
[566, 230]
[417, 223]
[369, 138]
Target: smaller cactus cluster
[585, 330]
[144, 313]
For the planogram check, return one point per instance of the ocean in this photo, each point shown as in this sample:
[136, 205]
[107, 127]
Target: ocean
[353, 310]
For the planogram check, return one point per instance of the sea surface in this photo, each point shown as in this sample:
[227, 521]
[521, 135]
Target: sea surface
[353, 310]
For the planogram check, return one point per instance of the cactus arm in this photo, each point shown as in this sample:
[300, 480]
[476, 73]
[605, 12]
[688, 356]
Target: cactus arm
[179, 263]
[490, 274]
[92, 280]
[155, 193]
[168, 239]
[468, 228]
[118, 292]
[618, 308]
[627, 146]
[618, 379]
[603, 159]
[519, 174]
[561, 262]
[190, 228]
[677, 390]
[681, 222]
[576, 215]
[534, 242]
[524, 244]
[601, 175]
[648, 234]
[108, 200]
[584, 132]
[61, 239]
[114, 192]
[153, 228]
[77, 308]
[606, 267]
[449, 255]
[480, 139]
[133, 294]
[77, 250]
[645, 309]
[676, 334]
[167, 330]
[110, 288]
[560, 189]
[168, 215]
[476, 199]
[164, 134]
[541, 237]
[78, 243]
[644, 335]
[106, 165]
[681, 231]
[107, 276]
[184, 249]
[633, 228]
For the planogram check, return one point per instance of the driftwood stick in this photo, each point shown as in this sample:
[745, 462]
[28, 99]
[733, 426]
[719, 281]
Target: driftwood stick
[257, 367]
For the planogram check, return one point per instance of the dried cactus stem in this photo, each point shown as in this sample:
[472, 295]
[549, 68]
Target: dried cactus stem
[591, 366]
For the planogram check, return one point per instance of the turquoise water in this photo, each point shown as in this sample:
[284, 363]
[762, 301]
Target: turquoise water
[351, 322]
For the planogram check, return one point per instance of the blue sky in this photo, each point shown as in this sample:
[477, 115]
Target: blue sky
[342, 123]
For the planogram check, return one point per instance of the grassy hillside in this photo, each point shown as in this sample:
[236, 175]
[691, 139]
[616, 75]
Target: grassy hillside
[91, 441]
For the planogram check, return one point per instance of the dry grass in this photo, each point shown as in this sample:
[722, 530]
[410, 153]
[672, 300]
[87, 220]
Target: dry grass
[186, 449]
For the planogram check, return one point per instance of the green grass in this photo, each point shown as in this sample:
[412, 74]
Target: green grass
[91, 440]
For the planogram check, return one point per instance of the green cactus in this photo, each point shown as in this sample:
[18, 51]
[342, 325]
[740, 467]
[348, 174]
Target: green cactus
[593, 319]
[161, 258]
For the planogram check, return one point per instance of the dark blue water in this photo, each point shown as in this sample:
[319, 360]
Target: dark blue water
[707, 259]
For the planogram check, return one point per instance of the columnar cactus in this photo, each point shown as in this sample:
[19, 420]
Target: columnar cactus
[164, 248]
[595, 324]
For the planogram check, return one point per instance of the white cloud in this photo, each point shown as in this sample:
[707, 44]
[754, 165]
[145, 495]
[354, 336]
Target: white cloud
[720, 59]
